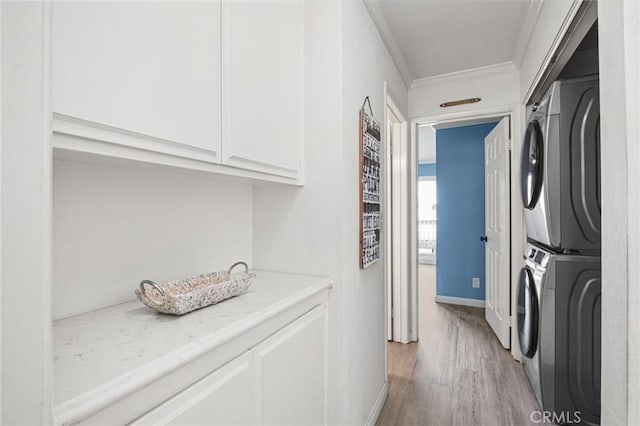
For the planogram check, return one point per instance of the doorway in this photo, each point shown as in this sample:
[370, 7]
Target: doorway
[458, 162]
[434, 380]
[471, 290]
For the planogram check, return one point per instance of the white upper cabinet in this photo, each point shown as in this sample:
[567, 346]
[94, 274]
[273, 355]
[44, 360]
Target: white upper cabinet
[262, 81]
[206, 85]
[149, 71]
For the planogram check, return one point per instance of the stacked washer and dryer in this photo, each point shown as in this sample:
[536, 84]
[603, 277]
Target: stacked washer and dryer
[559, 293]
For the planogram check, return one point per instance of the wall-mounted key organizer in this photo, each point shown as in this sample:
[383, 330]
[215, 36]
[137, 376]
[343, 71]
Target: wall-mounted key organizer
[370, 142]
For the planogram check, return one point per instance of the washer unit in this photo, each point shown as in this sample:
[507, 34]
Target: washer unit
[561, 181]
[558, 314]
[528, 317]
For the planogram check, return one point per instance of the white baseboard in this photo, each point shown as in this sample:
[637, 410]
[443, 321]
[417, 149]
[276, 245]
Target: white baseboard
[377, 407]
[460, 301]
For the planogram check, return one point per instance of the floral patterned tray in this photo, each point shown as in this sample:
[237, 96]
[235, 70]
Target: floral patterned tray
[182, 296]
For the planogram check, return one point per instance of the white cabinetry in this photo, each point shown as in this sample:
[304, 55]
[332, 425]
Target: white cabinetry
[148, 72]
[291, 366]
[279, 382]
[259, 358]
[209, 86]
[263, 93]
[226, 397]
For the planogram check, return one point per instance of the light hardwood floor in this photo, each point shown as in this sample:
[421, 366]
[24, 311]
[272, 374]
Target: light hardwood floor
[457, 374]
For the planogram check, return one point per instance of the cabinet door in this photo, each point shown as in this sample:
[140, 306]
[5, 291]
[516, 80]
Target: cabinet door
[263, 104]
[292, 373]
[225, 397]
[147, 71]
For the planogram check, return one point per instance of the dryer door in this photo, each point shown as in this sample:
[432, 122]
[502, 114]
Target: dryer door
[531, 168]
[527, 313]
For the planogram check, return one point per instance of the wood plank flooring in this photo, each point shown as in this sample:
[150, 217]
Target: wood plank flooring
[457, 374]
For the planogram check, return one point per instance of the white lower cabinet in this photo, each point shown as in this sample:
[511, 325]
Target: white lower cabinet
[291, 370]
[224, 397]
[281, 381]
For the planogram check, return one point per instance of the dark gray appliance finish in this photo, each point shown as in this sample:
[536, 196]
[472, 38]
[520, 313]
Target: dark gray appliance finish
[569, 54]
[565, 369]
[561, 168]
[584, 60]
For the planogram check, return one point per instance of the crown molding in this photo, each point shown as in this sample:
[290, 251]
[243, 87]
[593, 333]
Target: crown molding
[528, 27]
[377, 16]
[464, 74]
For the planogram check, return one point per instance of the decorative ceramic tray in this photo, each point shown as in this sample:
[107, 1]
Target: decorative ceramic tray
[181, 296]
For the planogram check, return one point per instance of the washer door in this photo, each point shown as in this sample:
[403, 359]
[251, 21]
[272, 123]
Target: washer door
[527, 314]
[531, 183]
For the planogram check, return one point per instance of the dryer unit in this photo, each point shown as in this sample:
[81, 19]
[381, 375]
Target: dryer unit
[560, 179]
[559, 329]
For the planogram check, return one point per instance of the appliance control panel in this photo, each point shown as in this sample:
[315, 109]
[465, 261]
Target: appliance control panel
[538, 256]
[532, 253]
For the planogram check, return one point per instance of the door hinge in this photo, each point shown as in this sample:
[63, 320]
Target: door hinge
[511, 321]
[509, 145]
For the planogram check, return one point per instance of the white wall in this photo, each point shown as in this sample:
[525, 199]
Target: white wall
[0, 211]
[619, 38]
[314, 229]
[496, 85]
[366, 65]
[26, 221]
[113, 227]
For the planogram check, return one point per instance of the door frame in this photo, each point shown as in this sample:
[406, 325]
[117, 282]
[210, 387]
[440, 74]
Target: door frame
[517, 241]
[396, 223]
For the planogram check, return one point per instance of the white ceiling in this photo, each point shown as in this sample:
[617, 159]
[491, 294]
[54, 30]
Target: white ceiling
[442, 36]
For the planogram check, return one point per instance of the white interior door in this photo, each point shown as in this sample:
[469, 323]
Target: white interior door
[497, 230]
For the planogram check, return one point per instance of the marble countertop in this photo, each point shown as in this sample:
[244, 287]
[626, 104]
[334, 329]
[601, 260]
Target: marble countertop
[101, 355]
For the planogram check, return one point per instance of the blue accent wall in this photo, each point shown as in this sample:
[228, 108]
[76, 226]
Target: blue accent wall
[460, 188]
[427, 169]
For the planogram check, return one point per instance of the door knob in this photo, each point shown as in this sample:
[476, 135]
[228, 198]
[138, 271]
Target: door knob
[484, 238]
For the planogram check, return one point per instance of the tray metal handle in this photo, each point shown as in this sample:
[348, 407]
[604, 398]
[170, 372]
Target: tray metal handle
[241, 263]
[150, 283]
